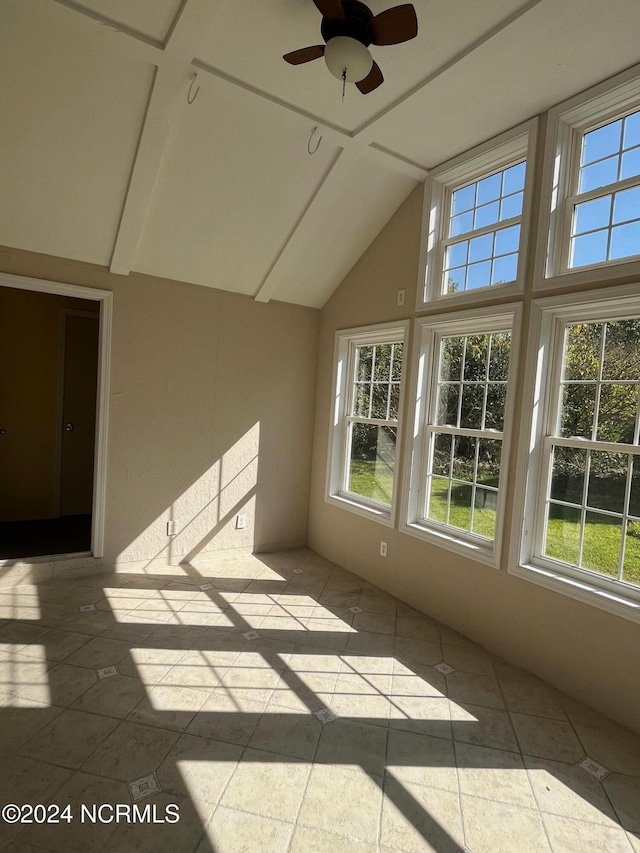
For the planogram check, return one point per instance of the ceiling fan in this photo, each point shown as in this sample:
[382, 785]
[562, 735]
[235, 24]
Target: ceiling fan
[348, 28]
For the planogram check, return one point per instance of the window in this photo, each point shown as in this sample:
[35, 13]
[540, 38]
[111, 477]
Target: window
[365, 438]
[459, 454]
[593, 176]
[605, 220]
[476, 207]
[582, 522]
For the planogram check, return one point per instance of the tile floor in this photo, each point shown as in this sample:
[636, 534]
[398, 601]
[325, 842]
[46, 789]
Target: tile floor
[206, 687]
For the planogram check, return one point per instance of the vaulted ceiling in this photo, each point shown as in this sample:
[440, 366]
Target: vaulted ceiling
[103, 158]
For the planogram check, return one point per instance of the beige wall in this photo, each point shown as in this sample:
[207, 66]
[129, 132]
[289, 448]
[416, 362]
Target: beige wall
[211, 412]
[30, 337]
[589, 652]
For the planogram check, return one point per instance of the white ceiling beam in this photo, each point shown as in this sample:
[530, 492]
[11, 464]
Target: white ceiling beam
[168, 85]
[266, 291]
[191, 24]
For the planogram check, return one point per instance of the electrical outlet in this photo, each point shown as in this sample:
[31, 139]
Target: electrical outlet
[171, 528]
[241, 522]
[383, 548]
[401, 294]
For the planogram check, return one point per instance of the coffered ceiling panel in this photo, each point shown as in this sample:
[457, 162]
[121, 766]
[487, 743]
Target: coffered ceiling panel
[232, 186]
[554, 51]
[72, 112]
[252, 49]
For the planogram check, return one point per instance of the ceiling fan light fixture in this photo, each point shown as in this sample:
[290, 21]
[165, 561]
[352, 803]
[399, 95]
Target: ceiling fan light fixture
[348, 59]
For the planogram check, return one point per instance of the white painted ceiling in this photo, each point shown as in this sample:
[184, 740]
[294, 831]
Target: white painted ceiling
[102, 158]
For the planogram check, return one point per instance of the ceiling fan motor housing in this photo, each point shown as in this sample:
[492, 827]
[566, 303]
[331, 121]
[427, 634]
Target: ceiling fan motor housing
[356, 24]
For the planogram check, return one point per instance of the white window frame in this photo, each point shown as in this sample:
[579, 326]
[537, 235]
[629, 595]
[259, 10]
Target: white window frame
[548, 320]
[567, 123]
[496, 154]
[346, 342]
[428, 333]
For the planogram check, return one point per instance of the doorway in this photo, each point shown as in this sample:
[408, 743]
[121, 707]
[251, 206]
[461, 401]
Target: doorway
[52, 419]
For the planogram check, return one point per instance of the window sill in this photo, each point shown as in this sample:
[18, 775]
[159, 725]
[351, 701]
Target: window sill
[609, 273]
[580, 590]
[472, 297]
[366, 510]
[471, 550]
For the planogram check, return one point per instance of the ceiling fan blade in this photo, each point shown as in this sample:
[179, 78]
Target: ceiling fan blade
[373, 79]
[330, 9]
[305, 54]
[395, 25]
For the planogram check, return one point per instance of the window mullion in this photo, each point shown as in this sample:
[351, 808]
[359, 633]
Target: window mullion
[625, 516]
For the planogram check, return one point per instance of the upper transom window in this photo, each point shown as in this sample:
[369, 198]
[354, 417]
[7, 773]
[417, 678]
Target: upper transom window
[476, 219]
[605, 222]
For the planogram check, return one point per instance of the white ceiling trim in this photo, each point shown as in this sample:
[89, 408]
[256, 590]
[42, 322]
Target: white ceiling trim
[168, 84]
[175, 62]
[267, 289]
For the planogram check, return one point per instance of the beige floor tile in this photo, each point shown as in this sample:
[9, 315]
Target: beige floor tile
[624, 793]
[468, 659]
[370, 644]
[25, 781]
[199, 768]
[420, 820]
[475, 689]
[70, 739]
[84, 623]
[492, 827]
[307, 840]
[421, 714]
[377, 602]
[265, 785]
[417, 651]
[76, 836]
[152, 837]
[583, 715]
[536, 700]
[369, 664]
[169, 707]
[353, 743]
[231, 831]
[545, 738]
[483, 726]
[380, 623]
[20, 634]
[574, 836]
[19, 727]
[115, 696]
[294, 735]
[192, 675]
[422, 760]
[617, 748]
[494, 775]
[568, 791]
[130, 752]
[418, 628]
[343, 800]
[226, 718]
[357, 706]
[62, 685]
[99, 653]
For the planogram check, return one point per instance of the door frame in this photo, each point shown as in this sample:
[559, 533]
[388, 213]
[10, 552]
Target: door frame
[105, 319]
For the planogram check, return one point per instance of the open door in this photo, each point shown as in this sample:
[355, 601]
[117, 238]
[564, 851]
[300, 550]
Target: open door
[78, 422]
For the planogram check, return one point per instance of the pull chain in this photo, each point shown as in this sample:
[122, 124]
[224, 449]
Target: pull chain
[344, 82]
